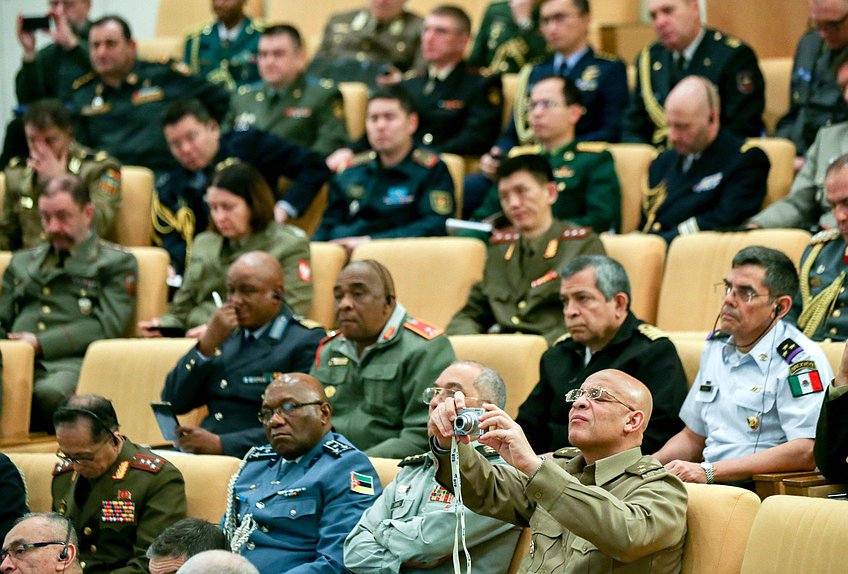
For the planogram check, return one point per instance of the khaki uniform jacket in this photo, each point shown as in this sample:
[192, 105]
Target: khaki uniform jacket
[623, 514]
[20, 222]
[137, 498]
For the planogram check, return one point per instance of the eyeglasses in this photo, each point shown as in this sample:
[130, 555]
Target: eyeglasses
[556, 18]
[831, 26]
[594, 394]
[545, 105]
[432, 392]
[17, 549]
[744, 294]
[284, 410]
[82, 459]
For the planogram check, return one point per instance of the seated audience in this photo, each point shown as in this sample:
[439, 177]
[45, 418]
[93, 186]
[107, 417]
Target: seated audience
[509, 38]
[224, 51]
[41, 543]
[13, 503]
[603, 333]
[287, 102]
[411, 526]
[375, 367]
[53, 152]
[755, 401]
[119, 495]
[66, 293]
[600, 506]
[686, 47]
[182, 540]
[250, 338]
[710, 179]
[396, 190]
[519, 292]
[242, 219]
[293, 501]
[217, 562]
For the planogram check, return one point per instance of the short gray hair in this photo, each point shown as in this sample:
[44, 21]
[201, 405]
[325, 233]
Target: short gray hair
[610, 276]
[489, 384]
[217, 562]
[56, 523]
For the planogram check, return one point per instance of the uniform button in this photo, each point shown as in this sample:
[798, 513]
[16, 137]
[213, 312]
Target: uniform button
[837, 313]
[93, 549]
[250, 545]
[522, 304]
[538, 495]
[842, 289]
[260, 505]
[41, 326]
[427, 139]
[45, 309]
[515, 320]
[264, 529]
[252, 487]
[293, 512]
[45, 291]
[832, 331]
[219, 416]
[86, 531]
[223, 384]
[532, 547]
[656, 226]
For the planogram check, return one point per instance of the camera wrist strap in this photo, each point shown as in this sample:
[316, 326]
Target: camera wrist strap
[459, 512]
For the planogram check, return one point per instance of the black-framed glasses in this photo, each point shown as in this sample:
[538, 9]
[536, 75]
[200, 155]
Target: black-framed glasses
[82, 459]
[744, 294]
[284, 410]
[17, 549]
[432, 392]
[832, 25]
[594, 394]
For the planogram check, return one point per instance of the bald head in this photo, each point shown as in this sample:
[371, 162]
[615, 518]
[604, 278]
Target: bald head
[261, 264]
[692, 110]
[309, 385]
[217, 562]
[255, 289]
[629, 389]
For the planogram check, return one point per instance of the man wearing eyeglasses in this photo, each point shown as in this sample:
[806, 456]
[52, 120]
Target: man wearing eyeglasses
[248, 340]
[118, 495]
[598, 507]
[293, 501]
[754, 405]
[410, 528]
[41, 543]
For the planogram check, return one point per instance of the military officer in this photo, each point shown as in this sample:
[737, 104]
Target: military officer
[375, 367]
[603, 334]
[60, 553]
[411, 526]
[118, 495]
[118, 104]
[53, 151]
[287, 103]
[685, 47]
[396, 190]
[831, 446]
[224, 52]
[13, 503]
[66, 293]
[509, 37]
[519, 292]
[755, 401]
[711, 179]
[357, 46]
[604, 476]
[819, 309]
[293, 501]
[249, 339]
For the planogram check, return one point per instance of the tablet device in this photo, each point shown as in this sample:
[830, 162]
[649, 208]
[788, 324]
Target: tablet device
[167, 419]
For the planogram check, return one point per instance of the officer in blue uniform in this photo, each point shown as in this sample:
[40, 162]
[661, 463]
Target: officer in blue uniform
[293, 502]
[247, 341]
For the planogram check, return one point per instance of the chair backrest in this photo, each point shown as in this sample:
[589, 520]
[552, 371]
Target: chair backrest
[695, 263]
[133, 224]
[18, 361]
[310, 219]
[37, 469]
[777, 73]
[206, 478]
[781, 154]
[355, 99]
[151, 289]
[515, 357]
[328, 259]
[387, 468]
[131, 373]
[521, 550]
[510, 89]
[690, 347]
[456, 167]
[718, 522]
[833, 351]
[432, 275]
[631, 166]
[177, 17]
[160, 48]
[643, 257]
[797, 534]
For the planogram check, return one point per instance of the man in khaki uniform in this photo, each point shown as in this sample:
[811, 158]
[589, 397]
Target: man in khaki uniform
[594, 507]
[53, 151]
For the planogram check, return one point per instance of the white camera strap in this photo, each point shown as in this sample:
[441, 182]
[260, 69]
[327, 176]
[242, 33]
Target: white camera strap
[459, 512]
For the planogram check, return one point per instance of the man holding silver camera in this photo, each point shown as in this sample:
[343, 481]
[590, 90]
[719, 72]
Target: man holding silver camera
[592, 507]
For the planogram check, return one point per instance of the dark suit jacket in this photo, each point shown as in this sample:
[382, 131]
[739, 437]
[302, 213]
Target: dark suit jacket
[831, 446]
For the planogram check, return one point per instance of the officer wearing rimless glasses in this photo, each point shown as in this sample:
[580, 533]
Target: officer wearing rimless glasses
[754, 405]
[118, 495]
[39, 544]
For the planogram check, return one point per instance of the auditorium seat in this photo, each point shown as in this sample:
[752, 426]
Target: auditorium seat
[328, 259]
[151, 289]
[781, 154]
[133, 223]
[355, 99]
[37, 469]
[432, 275]
[177, 17]
[521, 550]
[631, 166]
[387, 468]
[777, 73]
[18, 358]
[515, 357]
[311, 218]
[689, 349]
[456, 166]
[161, 48]
[643, 257]
[510, 87]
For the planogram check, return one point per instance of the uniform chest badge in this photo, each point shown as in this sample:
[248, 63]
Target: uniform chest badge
[451, 104]
[708, 183]
[117, 511]
[563, 172]
[27, 202]
[546, 278]
[362, 483]
[804, 379]
[146, 95]
[753, 422]
[298, 113]
[243, 121]
[588, 81]
[440, 494]
[85, 305]
[398, 195]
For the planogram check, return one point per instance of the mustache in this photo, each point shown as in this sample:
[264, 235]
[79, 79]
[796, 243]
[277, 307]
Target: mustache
[729, 311]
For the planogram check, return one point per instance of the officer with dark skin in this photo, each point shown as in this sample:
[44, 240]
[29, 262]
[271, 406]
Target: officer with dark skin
[509, 37]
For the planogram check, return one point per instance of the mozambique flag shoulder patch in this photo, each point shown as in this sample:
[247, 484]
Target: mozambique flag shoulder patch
[362, 483]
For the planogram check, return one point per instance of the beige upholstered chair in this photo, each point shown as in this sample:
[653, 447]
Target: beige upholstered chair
[631, 166]
[387, 468]
[161, 48]
[781, 154]
[777, 73]
[328, 259]
[456, 166]
[643, 257]
[521, 550]
[177, 17]
[151, 289]
[311, 218]
[37, 469]
[355, 98]
[515, 357]
[133, 223]
[510, 89]
[833, 351]
[18, 358]
[432, 274]
[689, 349]
[206, 478]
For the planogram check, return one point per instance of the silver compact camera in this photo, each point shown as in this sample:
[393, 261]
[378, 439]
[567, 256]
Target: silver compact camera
[467, 422]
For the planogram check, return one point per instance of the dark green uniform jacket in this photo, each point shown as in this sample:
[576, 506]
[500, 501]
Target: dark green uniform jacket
[502, 45]
[819, 307]
[231, 64]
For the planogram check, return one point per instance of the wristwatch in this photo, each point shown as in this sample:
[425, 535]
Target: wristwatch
[708, 470]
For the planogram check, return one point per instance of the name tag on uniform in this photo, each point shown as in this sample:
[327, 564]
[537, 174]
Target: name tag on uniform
[338, 362]
[298, 113]
[145, 95]
[398, 195]
[451, 104]
[263, 379]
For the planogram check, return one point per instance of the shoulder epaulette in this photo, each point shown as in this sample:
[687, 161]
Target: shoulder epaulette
[518, 150]
[610, 57]
[109, 245]
[423, 329]
[181, 68]
[821, 237]
[651, 332]
[330, 336]
[592, 147]
[504, 236]
[423, 157]
[264, 452]
[575, 233]
[336, 448]
[643, 466]
[567, 452]
[413, 74]
[62, 467]
[360, 159]
[789, 349]
[413, 460]
[733, 42]
[308, 323]
[717, 334]
[562, 339]
[146, 462]
[487, 451]
[15, 162]
[258, 24]
[82, 80]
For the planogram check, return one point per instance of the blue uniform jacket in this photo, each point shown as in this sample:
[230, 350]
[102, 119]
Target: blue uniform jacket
[304, 516]
[232, 383]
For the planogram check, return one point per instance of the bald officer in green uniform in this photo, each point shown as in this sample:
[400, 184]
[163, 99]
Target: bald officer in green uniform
[600, 506]
[376, 366]
[53, 151]
[287, 103]
[509, 37]
[519, 292]
[65, 294]
[224, 51]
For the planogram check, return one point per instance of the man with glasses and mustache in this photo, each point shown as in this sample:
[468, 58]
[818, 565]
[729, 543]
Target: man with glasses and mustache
[754, 405]
[118, 495]
[598, 507]
[293, 501]
[41, 543]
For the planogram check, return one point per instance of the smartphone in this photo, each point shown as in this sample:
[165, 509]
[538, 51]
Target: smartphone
[167, 419]
[169, 331]
[33, 23]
